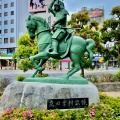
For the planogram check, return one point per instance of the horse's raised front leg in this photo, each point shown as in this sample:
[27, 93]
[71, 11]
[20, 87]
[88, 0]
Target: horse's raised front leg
[39, 56]
[43, 58]
[39, 67]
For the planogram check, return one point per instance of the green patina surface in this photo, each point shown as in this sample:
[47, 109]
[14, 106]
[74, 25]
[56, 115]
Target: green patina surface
[57, 42]
[58, 80]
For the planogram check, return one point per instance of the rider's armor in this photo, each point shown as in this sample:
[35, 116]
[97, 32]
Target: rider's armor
[60, 26]
[60, 32]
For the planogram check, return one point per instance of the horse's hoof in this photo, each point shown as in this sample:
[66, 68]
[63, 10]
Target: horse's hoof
[65, 77]
[32, 76]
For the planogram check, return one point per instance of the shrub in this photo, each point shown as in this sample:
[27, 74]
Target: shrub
[20, 78]
[117, 76]
[104, 78]
[107, 109]
[4, 82]
[42, 75]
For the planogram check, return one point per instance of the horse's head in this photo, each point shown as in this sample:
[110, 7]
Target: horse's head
[31, 26]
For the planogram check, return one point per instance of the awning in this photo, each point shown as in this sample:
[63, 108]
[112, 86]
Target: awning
[5, 58]
[96, 59]
[65, 60]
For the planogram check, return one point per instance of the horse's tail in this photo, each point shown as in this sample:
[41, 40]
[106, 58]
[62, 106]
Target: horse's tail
[89, 48]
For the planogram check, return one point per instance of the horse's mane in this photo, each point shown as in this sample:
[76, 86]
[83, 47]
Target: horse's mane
[43, 21]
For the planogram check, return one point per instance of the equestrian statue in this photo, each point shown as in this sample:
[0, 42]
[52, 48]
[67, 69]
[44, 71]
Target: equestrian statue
[57, 42]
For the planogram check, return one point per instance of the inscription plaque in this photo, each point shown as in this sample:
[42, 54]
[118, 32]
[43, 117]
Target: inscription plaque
[68, 103]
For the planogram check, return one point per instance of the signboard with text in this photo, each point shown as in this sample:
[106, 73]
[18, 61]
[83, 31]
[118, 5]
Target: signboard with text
[70, 103]
[36, 5]
[3, 51]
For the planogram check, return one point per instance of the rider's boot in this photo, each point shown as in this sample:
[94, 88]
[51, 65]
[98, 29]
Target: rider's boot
[55, 46]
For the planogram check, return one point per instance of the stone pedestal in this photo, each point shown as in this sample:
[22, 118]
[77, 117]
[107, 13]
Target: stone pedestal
[35, 95]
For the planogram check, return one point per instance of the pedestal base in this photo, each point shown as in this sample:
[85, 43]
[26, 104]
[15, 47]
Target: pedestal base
[36, 95]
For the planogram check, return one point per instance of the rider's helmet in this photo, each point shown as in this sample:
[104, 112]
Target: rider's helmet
[59, 3]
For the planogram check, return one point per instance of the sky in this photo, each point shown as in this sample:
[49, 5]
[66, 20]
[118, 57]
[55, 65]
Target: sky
[73, 6]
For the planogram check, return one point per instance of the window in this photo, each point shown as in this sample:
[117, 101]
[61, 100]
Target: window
[5, 5]
[5, 22]
[0, 31]
[5, 13]
[0, 14]
[12, 40]
[12, 12]
[5, 30]
[0, 22]
[12, 21]
[12, 30]
[0, 40]
[0, 6]
[12, 4]
[5, 40]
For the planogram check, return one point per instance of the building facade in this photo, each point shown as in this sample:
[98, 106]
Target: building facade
[13, 14]
[95, 14]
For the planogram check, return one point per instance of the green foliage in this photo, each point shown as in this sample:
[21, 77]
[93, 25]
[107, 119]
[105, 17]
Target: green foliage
[113, 103]
[117, 76]
[87, 63]
[20, 78]
[94, 24]
[42, 75]
[26, 48]
[53, 62]
[107, 109]
[116, 11]
[111, 31]
[78, 20]
[25, 64]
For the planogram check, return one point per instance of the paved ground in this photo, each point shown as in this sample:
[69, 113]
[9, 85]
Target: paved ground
[113, 94]
[14, 73]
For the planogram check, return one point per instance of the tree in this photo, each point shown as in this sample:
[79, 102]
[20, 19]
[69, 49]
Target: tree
[86, 29]
[111, 32]
[26, 48]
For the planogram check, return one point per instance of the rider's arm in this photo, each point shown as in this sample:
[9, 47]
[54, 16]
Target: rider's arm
[50, 9]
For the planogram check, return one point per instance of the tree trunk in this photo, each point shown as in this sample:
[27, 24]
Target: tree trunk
[82, 72]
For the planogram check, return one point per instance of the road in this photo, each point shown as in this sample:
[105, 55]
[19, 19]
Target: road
[12, 74]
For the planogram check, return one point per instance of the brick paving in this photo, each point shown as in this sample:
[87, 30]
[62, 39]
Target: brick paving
[113, 94]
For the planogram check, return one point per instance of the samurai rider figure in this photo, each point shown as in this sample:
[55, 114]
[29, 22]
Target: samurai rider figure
[60, 14]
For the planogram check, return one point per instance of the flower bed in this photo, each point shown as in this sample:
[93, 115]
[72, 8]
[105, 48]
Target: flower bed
[107, 109]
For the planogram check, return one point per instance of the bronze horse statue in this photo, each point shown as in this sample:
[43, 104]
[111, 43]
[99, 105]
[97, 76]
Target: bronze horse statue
[73, 47]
